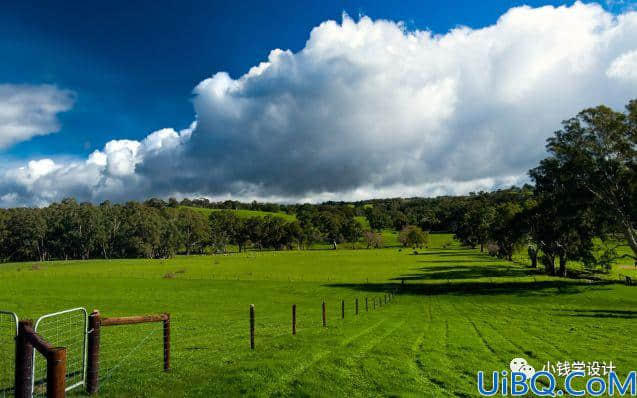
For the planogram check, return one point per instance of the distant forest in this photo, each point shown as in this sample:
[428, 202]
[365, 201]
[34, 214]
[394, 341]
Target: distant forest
[157, 228]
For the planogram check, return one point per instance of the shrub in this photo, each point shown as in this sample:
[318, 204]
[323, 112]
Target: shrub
[493, 249]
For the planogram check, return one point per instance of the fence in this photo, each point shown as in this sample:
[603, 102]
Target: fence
[27, 342]
[94, 342]
[8, 333]
[67, 329]
[75, 349]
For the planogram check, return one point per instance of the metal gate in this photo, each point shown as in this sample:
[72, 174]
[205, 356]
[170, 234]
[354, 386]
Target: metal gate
[8, 333]
[68, 329]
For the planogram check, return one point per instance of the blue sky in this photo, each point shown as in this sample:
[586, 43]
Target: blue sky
[133, 65]
[129, 69]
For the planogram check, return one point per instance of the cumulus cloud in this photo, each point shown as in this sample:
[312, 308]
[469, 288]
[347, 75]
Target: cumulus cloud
[27, 111]
[624, 67]
[370, 109]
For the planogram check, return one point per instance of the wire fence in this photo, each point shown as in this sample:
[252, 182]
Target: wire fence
[62, 329]
[132, 355]
[8, 332]
[129, 352]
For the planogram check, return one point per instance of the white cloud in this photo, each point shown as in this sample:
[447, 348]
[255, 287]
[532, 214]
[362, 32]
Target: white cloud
[27, 111]
[624, 67]
[369, 109]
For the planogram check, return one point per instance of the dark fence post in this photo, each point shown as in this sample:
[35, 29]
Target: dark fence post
[93, 354]
[342, 309]
[166, 342]
[374, 303]
[357, 306]
[56, 373]
[324, 317]
[23, 361]
[293, 319]
[366, 305]
[252, 326]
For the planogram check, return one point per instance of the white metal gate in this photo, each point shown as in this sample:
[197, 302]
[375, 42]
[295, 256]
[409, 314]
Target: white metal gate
[8, 333]
[67, 329]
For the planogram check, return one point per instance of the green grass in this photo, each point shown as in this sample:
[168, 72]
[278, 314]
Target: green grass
[459, 311]
[246, 213]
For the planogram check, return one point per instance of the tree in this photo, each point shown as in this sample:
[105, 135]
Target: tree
[475, 226]
[378, 218]
[225, 228]
[28, 232]
[194, 229]
[170, 236]
[311, 234]
[373, 239]
[293, 234]
[4, 235]
[561, 221]
[399, 220]
[351, 230]
[172, 202]
[108, 234]
[330, 227]
[506, 230]
[413, 236]
[273, 232]
[142, 231]
[597, 151]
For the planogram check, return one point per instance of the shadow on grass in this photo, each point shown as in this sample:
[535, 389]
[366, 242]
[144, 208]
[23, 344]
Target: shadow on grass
[460, 271]
[484, 288]
[461, 260]
[620, 314]
[450, 252]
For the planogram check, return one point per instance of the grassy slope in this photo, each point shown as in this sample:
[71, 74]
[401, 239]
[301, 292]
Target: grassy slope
[459, 312]
[246, 213]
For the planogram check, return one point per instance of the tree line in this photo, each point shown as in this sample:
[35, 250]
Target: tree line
[155, 229]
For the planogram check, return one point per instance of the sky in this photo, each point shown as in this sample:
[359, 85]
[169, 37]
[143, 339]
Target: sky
[296, 101]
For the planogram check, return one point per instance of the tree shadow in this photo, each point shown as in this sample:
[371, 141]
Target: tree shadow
[620, 314]
[450, 252]
[479, 288]
[461, 261]
[460, 271]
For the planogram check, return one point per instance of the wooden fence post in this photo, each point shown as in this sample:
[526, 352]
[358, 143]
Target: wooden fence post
[374, 303]
[252, 326]
[366, 305]
[93, 354]
[56, 373]
[324, 317]
[342, 309]
[293, 319]
[166, 342]
[23, 361]
[357, 306]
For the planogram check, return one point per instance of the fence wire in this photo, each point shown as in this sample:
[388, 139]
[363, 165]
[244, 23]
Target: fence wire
[64, 329]
[8, 332]
[132, 353]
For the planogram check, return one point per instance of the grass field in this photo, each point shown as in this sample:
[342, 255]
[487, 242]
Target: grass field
[246, 213]
[458, 312]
